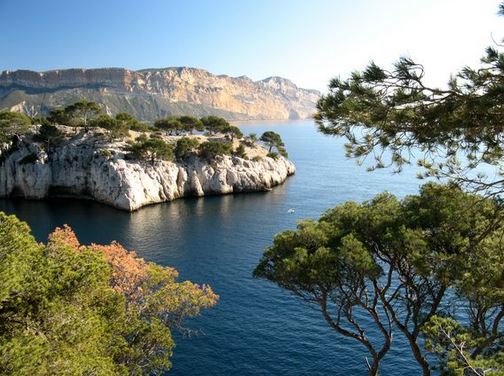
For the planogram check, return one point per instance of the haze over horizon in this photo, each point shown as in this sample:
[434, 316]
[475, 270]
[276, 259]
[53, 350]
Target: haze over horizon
[306, 42]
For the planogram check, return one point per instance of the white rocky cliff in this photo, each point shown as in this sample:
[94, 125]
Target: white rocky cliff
[88, 166]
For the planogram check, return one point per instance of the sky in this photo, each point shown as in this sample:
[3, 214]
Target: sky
[307, 41]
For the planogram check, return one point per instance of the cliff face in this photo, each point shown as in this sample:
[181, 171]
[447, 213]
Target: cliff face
[81, 168]
[153, 93]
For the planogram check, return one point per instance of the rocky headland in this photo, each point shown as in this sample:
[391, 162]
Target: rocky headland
[88, 165]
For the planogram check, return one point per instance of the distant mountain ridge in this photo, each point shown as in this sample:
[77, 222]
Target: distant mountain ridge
[152, 93]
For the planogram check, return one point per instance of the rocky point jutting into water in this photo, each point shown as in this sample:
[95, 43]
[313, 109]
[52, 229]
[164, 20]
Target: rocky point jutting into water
[153, 93]
[88, 165]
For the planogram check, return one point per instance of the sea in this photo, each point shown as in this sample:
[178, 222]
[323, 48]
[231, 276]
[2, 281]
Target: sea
[256, 328]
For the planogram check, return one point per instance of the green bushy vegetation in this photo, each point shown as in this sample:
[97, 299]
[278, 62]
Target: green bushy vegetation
[399, 262]
[149, 146]
[211, 149]
[171, 125]
[240, 152]
[13, 124]
[70, 309]
[49, 135]
[78, 114]
[429, 267]
[214, 124]
[274, 141]
[191, 124]
[151, 149]
[184, 147]
[106, 153]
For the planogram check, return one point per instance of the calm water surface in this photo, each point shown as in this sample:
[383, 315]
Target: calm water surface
[256, 328]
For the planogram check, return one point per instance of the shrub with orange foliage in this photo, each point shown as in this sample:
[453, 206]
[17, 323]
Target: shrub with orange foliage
[128, 270]
[150, 289]
[87, 310]
[63, 236]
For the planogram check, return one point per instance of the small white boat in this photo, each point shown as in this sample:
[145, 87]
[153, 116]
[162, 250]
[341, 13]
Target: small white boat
[291, 210]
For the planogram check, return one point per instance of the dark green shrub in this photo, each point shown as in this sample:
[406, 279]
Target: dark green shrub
[170, 124]
[106, 153]
[126, 120]
[185, 147]
[211, 149]
[214, 124]
[49, 135]
[13, 124]
[151, 149]
[190, 123]
[240, 152]
[117, 129]
[272, 140]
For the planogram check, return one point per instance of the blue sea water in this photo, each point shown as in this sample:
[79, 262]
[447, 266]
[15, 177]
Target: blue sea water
[256, 328]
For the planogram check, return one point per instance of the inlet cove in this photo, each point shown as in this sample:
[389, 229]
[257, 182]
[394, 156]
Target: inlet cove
[252, 188]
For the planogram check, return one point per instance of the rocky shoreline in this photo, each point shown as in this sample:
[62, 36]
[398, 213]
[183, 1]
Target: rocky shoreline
[153, 93]
[88, 166]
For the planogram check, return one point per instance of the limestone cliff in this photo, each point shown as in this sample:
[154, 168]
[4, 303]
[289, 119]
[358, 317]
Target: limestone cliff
[153, 93]
[89, 166]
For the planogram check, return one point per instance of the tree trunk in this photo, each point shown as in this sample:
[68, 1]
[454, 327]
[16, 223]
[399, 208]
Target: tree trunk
[377, 357]
[417, 353]
[373, 367]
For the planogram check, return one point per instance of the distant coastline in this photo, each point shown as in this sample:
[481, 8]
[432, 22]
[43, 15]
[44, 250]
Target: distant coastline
[149, 94]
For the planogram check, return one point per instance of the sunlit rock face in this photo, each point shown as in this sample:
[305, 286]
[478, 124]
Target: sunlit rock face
[153, 93]
[80, 168]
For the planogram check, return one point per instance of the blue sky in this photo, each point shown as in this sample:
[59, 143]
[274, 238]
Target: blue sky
[307, 41]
